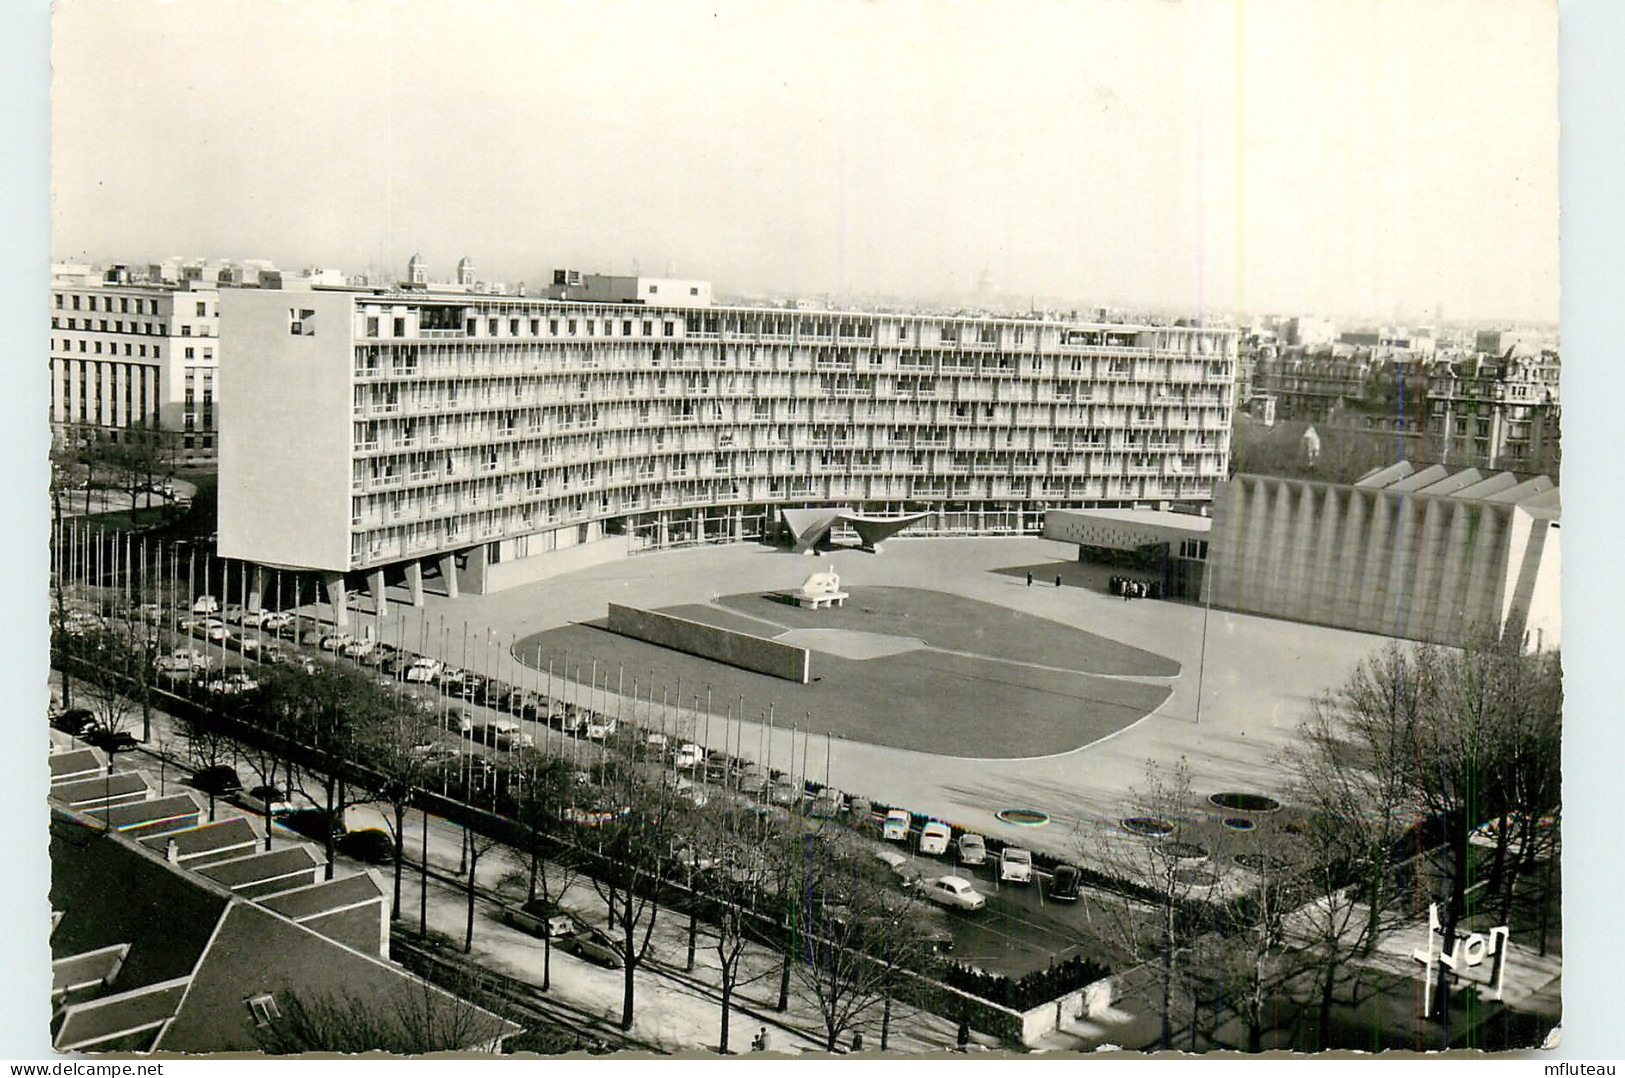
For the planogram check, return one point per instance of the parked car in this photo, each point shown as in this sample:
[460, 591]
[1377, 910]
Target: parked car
[895, 828]
[370, 844]
[424, 670]
[826, 805]
[109, 741]
[248, 645]
[541, 918]
[334, 641]
[313, 823]
[357, 649]
[182, 661]
[232, 613]
[600, 727]
[73, 720]
[205, 604]
[954, 891]
[972, 849]
[1063, 887]
[592, 945]
[656, 741]
[276, 620]
[862, 813]
[216, 631]
[934, 838]
[220, 781]
[900, 866]
[378, 655]
[264, 801]
[689, 755]
[1016, 865]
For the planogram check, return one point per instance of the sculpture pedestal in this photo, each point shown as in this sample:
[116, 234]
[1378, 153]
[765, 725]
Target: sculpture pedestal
[816, 602]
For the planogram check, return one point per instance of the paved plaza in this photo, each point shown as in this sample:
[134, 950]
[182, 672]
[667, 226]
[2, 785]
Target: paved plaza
[1244, 682]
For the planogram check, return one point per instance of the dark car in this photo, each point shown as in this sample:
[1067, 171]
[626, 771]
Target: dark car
[314, 824]
[1063, 887]
[592, 945]
[219, 781]
[109, 740]
[73, 720]
[370, 844]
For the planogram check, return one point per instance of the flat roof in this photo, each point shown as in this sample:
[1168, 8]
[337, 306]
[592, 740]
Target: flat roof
[1150, 518]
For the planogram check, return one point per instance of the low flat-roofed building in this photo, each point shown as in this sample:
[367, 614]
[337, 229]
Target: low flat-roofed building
[149, 955]
[1171, 546]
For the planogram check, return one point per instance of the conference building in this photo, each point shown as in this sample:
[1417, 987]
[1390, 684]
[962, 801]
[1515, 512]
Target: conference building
[468, 442]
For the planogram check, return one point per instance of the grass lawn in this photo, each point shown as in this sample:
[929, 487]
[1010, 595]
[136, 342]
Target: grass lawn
[985, 705]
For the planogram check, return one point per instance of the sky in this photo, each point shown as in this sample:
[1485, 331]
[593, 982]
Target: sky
[1385, 159]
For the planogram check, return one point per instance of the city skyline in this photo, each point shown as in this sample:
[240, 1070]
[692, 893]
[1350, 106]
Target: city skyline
[904, 150]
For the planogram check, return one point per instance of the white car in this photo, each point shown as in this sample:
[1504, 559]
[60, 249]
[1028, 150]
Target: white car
[205, 604]
[601, 727]
[1016, 865]
[934, 838]
[276, 620]
[972, 849]
[895, 829]
[424, 670]
[656, 740]
[955, 891]
[689, 755]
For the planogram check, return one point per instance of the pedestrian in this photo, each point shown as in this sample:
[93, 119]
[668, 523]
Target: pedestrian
[963, 1040]
[857, 1041]
[1029, 580]
[1057, 580]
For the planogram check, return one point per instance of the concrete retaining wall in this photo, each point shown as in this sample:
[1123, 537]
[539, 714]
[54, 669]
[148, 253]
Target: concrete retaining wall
[710, 642]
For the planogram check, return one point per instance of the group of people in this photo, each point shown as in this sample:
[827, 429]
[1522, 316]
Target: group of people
[1129, 588]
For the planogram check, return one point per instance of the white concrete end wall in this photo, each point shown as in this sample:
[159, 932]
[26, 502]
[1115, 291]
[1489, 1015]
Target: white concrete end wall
[290, 399]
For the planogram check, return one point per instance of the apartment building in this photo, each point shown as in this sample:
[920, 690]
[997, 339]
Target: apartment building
[129, 355]
[1474, 409]
[491, 441]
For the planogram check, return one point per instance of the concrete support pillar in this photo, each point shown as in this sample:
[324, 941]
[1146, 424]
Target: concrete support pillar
[333, 584]
[448, 573]
[375, 587]
[414, 581]
[256, 587]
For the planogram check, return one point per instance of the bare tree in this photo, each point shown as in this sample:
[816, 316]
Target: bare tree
[104, 659]
[394, 748]
[413, 1018]
[1351, 774]
[475, 846]
[632, 828]
[328, 712]
[1163, 876]
[856, 938]
[206, 747]
[141, 463]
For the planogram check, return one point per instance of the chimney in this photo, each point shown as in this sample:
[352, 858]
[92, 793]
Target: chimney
[172, 852]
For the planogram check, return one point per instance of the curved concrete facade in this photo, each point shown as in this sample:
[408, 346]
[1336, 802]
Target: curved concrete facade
[487, 431]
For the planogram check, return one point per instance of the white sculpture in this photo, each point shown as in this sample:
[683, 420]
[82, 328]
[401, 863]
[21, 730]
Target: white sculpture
[824, 583]
[820, 590]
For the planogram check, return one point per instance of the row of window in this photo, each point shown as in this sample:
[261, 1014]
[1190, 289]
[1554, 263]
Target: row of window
[112, 348]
